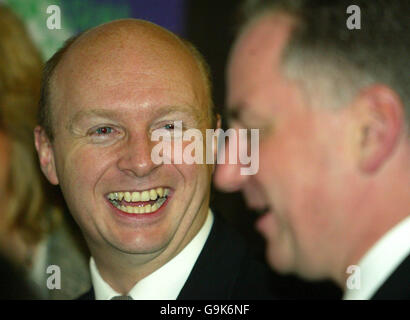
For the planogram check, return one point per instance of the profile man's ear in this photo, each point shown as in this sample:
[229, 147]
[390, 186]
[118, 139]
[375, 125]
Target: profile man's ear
[381, 118]
[45, 155]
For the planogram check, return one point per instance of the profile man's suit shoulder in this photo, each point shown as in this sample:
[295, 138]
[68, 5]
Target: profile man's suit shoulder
[227, 269]
[397, 286]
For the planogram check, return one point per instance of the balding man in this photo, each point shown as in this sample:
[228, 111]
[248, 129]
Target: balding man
[332, 106]
[148, 225]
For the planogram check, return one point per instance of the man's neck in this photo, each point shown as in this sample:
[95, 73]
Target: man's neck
[384, 207]
[123, 270]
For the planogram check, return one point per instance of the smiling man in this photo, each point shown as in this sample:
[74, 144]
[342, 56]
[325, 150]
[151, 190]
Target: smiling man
[148, 226]
[332, 107]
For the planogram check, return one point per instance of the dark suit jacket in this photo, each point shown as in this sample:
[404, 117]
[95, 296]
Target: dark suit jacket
[225, 269]
[397, 286]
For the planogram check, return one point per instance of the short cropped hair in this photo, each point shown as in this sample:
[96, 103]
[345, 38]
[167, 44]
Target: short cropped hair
[45, 109]
[324, 49]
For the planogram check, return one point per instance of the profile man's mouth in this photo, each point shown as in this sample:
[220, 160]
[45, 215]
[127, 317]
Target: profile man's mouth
[259, 208]
[139, 202]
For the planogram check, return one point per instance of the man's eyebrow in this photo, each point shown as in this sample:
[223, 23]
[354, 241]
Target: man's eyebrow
[182, 109]
[234, 113]
[104, 113]
[90, 113]
[243, 116]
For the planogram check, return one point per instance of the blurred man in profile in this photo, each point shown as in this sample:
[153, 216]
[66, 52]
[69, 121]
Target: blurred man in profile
[332, 107]
[148, 225]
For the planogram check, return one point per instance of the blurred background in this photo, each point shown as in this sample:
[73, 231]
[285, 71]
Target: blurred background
[209, 25]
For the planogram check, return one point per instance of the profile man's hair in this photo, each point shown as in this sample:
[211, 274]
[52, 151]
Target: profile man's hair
[326, 56]
[45, 109]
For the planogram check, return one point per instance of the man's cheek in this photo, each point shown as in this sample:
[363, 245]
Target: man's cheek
[75, 167]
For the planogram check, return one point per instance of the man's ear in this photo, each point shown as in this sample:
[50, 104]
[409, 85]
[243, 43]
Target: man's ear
[45, 154]
[380, 123]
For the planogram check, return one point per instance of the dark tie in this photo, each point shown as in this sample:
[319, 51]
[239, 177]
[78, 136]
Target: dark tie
[121, 298]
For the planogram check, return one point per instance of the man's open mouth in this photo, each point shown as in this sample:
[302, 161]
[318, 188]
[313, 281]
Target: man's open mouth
[138, 202]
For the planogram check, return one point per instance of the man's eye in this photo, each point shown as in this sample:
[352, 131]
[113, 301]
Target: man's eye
[169, 126]
[104, 131]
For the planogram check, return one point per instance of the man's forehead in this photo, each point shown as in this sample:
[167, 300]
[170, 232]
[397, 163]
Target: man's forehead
[256, 55]
[134, 54]
[127, 33]
[123, 45]
[268, 32]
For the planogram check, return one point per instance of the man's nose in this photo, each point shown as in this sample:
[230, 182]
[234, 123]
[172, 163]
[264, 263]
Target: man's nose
[136, 159]
[228, 175]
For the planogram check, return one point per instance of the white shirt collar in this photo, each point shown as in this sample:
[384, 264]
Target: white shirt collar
[381, 260]
[38, 271]
[159, 285]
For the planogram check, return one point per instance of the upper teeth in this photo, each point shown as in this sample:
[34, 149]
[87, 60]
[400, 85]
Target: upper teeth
[135, 196]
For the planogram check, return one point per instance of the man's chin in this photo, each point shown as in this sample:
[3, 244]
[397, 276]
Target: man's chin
[278, 261]
[137, 249]
[279, 254]
[133, 244]
[284, 261]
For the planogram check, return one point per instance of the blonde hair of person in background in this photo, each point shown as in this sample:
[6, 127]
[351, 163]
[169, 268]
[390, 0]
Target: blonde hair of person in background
[25, 215]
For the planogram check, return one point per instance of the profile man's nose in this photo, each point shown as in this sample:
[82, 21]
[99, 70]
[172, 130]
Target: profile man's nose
[136, 159]
[228, 176]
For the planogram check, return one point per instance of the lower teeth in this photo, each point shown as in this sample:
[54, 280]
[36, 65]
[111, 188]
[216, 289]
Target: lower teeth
[140, 209]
